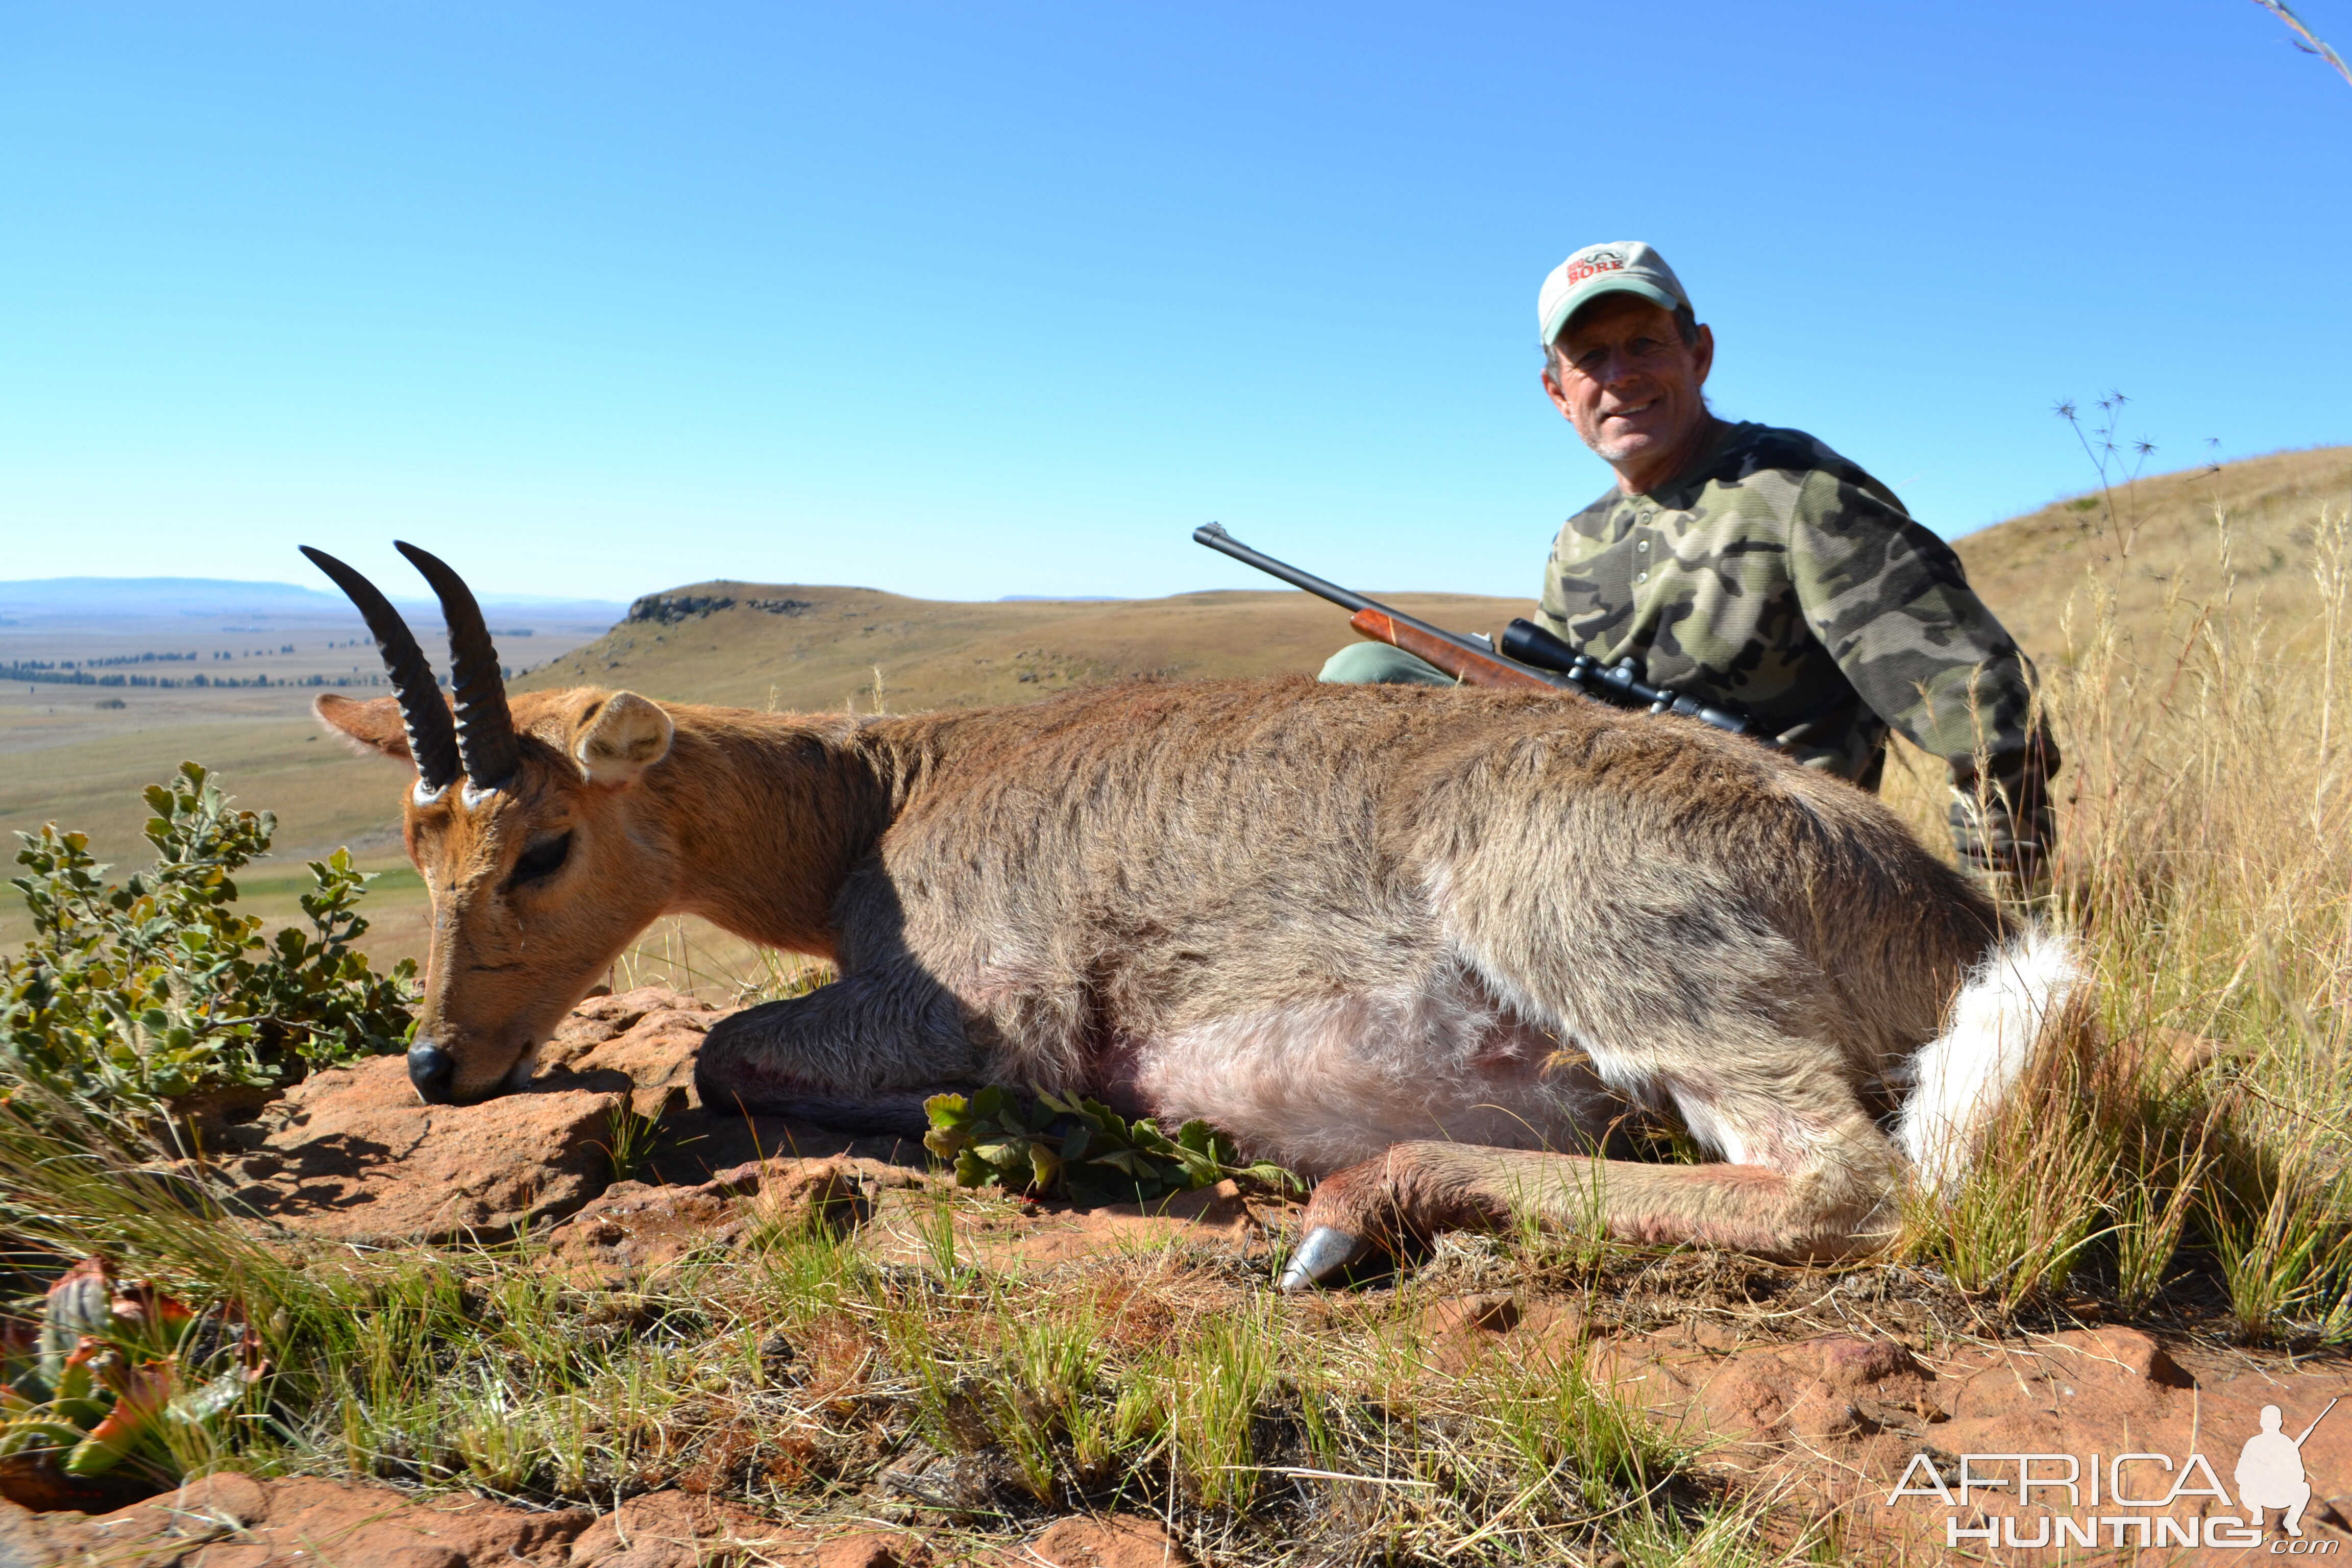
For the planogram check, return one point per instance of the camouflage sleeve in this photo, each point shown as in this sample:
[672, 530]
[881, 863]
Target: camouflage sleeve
[1891, 604]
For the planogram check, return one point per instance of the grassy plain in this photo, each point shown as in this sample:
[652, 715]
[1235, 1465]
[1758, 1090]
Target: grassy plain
[63, 758]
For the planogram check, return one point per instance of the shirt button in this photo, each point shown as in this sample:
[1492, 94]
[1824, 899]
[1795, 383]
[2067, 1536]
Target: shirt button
[1643, 545]
[1642, 577]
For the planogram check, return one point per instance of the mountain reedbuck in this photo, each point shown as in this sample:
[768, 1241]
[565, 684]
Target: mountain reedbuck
[1416, 942]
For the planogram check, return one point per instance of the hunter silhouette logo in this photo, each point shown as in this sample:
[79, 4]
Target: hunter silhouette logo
[2270, 1471]
[2125, 1500]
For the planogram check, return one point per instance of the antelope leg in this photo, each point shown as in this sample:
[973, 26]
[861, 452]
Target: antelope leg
[860, 1054]
[1835, 1199]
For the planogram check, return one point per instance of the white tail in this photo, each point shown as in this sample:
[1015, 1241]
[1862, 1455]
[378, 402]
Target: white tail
[1964, 1075]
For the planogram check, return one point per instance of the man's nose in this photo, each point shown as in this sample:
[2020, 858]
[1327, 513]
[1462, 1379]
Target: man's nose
[430, 1068]
[1617, 370]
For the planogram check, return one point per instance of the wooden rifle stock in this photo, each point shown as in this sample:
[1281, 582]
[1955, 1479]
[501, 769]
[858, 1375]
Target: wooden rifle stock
[1468, 668]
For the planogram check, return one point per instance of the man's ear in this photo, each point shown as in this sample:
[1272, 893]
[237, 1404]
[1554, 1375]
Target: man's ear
[1702, 352]
[619, 737]
[371, 726]
[1553, 391]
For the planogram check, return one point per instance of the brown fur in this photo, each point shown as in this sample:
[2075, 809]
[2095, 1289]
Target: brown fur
[1345, 919]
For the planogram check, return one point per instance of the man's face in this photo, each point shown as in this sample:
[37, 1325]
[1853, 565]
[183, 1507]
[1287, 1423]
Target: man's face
[1630, 385]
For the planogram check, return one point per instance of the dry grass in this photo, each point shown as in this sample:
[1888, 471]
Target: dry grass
[2188, 1146]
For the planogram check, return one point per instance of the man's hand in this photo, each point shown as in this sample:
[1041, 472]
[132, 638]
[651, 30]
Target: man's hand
[2001, 823]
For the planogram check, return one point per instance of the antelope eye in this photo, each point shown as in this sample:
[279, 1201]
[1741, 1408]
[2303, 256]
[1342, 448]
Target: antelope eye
[540, 860]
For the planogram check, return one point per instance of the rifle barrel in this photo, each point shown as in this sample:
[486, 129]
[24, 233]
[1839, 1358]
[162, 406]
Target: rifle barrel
[1214, 536]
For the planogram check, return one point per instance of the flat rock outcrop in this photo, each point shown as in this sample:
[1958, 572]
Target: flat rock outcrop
[234, 1520]
[639, 1042]
[639, 1226]
[350, 1155]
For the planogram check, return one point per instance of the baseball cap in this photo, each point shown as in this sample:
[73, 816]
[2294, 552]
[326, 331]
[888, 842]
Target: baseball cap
[1617, 267]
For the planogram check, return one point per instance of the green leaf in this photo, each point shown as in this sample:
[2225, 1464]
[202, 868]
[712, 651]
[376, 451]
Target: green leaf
[200, 1405]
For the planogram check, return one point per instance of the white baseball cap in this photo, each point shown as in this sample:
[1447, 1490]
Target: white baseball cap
[1617, 267]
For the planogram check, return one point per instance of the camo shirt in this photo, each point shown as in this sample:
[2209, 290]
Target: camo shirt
[1779, 575]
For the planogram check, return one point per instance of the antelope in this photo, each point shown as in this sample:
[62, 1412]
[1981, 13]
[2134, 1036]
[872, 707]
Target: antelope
[1428, 946]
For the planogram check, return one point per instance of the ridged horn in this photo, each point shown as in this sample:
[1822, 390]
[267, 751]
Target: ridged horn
[485, 736]
[432, 738]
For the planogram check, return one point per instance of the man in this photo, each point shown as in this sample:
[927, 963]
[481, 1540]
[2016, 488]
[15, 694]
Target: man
[1753, 564]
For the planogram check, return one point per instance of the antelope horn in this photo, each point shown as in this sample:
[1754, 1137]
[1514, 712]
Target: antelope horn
[485, 736]
[432, 739]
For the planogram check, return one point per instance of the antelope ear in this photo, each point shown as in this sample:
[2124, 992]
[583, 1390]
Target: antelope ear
[615, 740]
[371, 726]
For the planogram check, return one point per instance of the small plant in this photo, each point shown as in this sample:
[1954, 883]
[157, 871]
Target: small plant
[1081, 1150]
[2108, 455]
[629, 1140]
[134, 994]
[107, 1388]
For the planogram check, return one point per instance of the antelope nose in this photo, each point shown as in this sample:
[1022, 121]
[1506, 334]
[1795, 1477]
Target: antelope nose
[430, 1068]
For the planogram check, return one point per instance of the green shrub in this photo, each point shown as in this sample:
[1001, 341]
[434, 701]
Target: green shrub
[134, 994]
[1080, 1150]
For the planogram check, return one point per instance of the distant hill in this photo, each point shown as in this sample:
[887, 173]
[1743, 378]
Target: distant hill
[2029, 568]
[87, 597]
[800, 647]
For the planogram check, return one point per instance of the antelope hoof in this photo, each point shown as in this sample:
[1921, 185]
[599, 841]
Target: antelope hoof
[1326, 1253]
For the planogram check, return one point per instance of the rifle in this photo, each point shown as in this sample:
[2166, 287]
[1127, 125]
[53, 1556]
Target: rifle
[1530, 656]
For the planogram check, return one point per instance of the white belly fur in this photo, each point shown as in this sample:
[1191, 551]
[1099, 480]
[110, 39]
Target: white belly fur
[1320, 1085]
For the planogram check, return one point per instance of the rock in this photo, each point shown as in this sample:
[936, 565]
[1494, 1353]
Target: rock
[350, 1156]
[232, 1521]
[639, 1042]
[24, 1543]
[953, 1483]
[1494, 1313]
[1848, 1364]
[1821, 1413]
[837, 1193]
[634, 1226]
[1113, 1540]
[1002, 1232]
[671, 1529]
[2133, 1354]
[872, 1552]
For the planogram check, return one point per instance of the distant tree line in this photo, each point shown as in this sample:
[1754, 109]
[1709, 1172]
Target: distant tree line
[39, 671]
[51, 673]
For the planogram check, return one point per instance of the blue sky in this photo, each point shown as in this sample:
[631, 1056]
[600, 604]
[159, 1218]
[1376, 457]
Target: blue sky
[966, 301]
